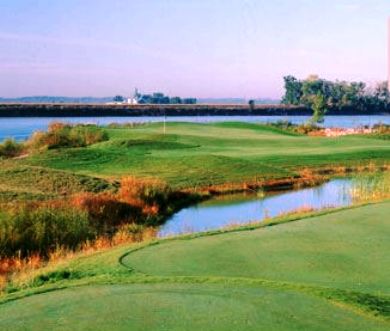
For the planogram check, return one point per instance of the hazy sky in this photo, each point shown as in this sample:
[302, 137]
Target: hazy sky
[201, 48]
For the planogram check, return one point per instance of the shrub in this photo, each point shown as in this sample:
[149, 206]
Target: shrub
[10, 148]
[67, 135]
[307, 128]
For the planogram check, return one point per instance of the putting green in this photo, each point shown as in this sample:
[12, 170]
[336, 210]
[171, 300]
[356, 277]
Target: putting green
[179, 307]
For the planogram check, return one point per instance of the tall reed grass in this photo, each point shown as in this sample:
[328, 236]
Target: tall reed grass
[26, 230]
[371, 188]
[86, 221]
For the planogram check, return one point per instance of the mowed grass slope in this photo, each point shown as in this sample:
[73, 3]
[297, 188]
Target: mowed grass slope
[191, 154]
[292, 276]
[348, 249]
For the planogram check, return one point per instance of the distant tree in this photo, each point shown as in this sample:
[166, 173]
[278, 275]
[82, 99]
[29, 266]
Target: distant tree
[251, 104]
[158, 95]
[377, 98]
[382, 92]
[165, 100]
[293, 91]
[319, 106]
[338, 94]
[118, 98]
[311, 87]
[175, 100]
[189, 101]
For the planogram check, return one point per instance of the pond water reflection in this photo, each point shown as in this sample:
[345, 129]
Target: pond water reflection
[237, 209]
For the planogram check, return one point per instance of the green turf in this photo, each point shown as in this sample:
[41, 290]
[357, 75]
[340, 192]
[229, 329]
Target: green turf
[179, 307]
[18, 182]
[327, 272]
[200, 154]
[328, 251]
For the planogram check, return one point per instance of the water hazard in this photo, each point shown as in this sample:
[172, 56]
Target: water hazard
[239, 209]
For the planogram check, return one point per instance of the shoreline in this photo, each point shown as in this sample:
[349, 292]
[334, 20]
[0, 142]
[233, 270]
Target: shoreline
[102, 110]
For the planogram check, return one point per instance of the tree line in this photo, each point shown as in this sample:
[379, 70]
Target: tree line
[321, 95]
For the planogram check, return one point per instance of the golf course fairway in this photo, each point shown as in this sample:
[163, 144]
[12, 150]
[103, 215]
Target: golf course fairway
[324, 272]
[187, 156]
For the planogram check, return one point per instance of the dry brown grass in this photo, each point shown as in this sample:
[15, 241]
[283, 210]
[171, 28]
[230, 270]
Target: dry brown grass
[148, 194]
[66, 135]
[373, 191]
[343, 170]
[105, 209]
[16, 265]
[19, 270]
[108, 219]
[307, 178]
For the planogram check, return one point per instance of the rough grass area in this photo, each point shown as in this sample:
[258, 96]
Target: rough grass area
[325, 272]
[191, 155]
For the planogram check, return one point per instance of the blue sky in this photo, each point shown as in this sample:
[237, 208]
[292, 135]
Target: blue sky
[201, 48]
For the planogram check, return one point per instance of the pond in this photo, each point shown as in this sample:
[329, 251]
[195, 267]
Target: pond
[240, 209]
[21, 128]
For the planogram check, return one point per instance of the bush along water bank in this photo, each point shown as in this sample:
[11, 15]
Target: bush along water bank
[10, 148]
